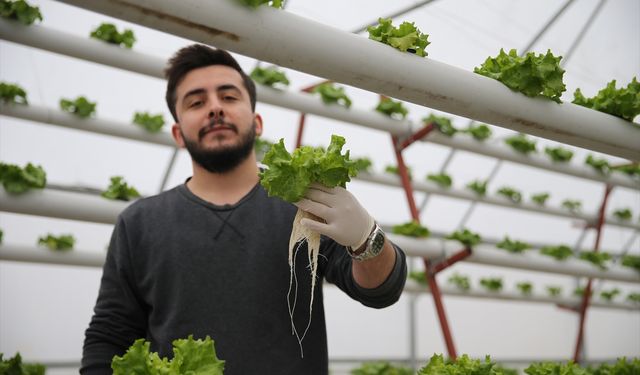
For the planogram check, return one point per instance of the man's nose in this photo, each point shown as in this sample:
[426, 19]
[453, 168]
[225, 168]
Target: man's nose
[215, 110]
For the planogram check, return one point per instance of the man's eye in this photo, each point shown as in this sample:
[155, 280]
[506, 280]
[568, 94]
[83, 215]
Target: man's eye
[195, 103]
[229, 97]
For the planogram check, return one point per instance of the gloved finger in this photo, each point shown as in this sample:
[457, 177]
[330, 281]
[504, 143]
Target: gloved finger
[319, 186]
[313, 207]
[320, 196]
[316, 226]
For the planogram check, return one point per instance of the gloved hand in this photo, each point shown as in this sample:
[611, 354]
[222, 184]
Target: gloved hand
[346, 221]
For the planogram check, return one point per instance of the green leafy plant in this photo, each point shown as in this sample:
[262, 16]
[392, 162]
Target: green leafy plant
[418, 276]
[540, 199]
[16, 180]
[119, 190]
[622, 102]
[550, 368]
[463, 365]
[633, 297]
[442, 179]
[189, 357]
[381, 368]
[289, 175]
[80, 107]
[531, 75]
[492, 284]
[573, 206]
[631, 170]
[278, 4]
[1, 235]
[510, 193]
[62, 242]
[596, 258]
[553, 291]
[621, 367]
[600, 165]
[406, 37]
[269, 76]
[465, 237]
[461, 282]
[395, 170]
[411, 229]
[443, 124]
[623, 214]
[631, 261]
[151, 123]
[15, 366]
[332, 94]
[560, 252]
[20, 10]
[609, 295]
[479, 187]
[363, 164]
[109, 33]
[479, 132]
[15, 94]
[559, 154]
[521, 143]
[391, 108]
[513, 246]
[525, 287]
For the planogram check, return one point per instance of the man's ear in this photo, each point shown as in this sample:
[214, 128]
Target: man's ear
[258, 120]
[177, 135]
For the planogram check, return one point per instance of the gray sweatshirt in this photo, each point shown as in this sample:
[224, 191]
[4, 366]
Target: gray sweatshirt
[179, 266]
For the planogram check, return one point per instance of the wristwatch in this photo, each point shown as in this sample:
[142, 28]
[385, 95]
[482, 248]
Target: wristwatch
[373, 245]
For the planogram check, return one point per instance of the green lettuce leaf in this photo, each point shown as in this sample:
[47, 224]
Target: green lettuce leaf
[80, 107]
[269, 76]
[118, 189]
[406, 37]
[17, 180]
[20, 10]
[623, 102]
[10, 93]
[289, 175]
[332, 94]
[411, 229]
[109, 33]
[149, 122]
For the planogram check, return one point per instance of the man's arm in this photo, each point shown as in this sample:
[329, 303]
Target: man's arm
[119, 317]
[371, 273]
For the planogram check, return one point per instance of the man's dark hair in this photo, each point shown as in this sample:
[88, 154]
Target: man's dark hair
[198, 56]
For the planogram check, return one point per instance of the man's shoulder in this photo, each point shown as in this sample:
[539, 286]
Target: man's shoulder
[152, 204]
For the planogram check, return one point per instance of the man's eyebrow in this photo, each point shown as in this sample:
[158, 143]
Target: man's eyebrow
[228, 87]
[198, 91]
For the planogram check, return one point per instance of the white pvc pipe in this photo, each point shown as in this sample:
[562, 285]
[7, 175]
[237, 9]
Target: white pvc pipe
[84, 258]
[433, 188]
[490, 255]
[87, 49]
[502, 152]
[295, 42]
[414, 287]
[62, 205]
[31, 254]
[94, 125]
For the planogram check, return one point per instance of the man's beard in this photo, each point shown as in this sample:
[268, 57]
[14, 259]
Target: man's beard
[223, 159]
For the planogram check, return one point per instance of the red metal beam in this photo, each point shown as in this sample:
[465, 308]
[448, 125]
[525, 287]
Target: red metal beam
[587, 291]
[417, 136]
[455, 258]
[431, 279]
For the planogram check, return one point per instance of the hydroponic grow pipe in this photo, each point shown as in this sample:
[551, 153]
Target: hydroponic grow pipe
[91, 208]
[414, 287]
[433, 188]
[328, 52]
[32, 254]
[63, 205]
[102, 126]
[490, 255]
[71, 45]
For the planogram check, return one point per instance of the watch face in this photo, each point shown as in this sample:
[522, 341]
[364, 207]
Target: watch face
[378, 241]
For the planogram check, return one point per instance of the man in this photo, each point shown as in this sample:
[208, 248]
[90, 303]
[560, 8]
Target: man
[210, 257]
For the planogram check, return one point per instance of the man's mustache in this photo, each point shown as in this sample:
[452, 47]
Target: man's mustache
[216, 122]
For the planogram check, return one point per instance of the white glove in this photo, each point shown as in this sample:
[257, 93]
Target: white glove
[346, 221]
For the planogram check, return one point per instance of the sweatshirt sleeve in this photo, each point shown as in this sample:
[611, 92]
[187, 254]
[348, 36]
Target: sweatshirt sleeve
[338, 271]
[119, 316]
